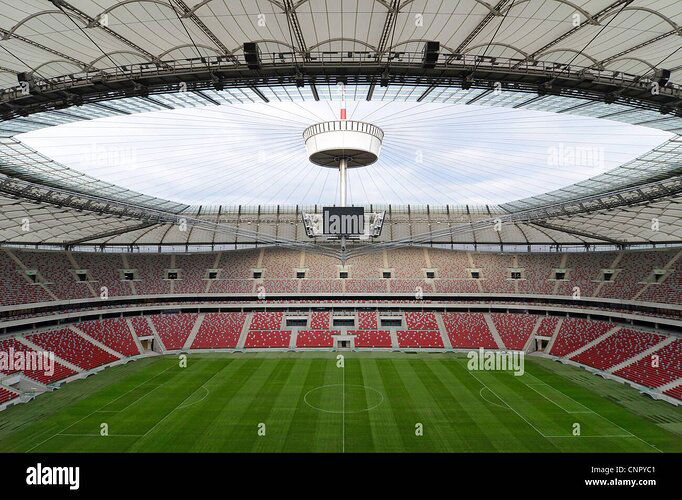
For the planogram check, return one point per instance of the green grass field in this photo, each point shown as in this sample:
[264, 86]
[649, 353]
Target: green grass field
[308, 404]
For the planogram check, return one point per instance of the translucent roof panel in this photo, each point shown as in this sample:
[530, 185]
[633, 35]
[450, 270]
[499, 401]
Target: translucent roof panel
[18, 160]
[663, 161]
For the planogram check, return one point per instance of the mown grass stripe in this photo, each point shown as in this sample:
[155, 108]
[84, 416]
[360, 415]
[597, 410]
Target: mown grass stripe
[258, 411]
[282, 411]
[386, 434]
[216, 402]
[233, 421]
[208, 419]
[434, 408]
[446, 391]
[358, 436]
[306, 421]
[407, 410]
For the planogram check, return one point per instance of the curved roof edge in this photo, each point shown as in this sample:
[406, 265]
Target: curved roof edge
[19, 161]
[170, 100]
[322, 68]
[660, 163]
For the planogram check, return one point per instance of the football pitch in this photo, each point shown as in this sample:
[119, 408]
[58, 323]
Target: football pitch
[305, 402]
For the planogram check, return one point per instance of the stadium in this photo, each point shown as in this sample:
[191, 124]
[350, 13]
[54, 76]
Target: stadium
[342, 227]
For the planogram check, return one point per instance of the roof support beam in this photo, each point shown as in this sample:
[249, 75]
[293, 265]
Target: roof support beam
[599, 15]
[294, 26]
[297, 38]
[187, 12]
[95, 23]
[158, 103]
[579, 232]
[107, 234]
[260, 94]
[425, 94]
[646, 43]
[206, 97]
[481, 26]
[45, 48]
[389, 23]
[313, 89]
[546, 233]
[370, 91]
[113, 83]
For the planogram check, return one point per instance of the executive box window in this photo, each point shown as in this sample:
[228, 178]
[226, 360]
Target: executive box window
[297, 322]
[343, 322]
[391, 322]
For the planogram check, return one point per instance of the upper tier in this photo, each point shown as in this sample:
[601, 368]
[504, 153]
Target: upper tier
[644, 276]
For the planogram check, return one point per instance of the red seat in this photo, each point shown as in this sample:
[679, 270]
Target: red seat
[267, 339]
[420, 339]
[219, 331]
[468, 331]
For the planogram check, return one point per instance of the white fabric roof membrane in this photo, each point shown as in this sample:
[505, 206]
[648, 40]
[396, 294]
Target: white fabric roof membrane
[51, 40]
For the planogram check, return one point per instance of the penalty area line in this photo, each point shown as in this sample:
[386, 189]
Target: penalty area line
[599, 437]
[99, 435]
[507, 404]
[530, 386]
[590, 410]
[631, 434]
[98, 409]
[181, 404]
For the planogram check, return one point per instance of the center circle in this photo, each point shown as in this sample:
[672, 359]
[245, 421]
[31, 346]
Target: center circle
[340, 398]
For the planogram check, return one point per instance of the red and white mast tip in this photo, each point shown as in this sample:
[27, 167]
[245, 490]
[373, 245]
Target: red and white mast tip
[343, 101]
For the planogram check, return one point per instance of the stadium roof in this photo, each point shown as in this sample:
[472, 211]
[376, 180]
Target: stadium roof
[87, 60]
[89, 51]
[638, 203]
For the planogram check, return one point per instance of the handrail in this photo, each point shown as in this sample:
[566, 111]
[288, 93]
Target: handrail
[356, 59]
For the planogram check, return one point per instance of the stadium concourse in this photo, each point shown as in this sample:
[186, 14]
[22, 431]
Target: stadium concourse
[612, 312]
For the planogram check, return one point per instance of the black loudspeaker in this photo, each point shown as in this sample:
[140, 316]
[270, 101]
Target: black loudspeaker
[431, 53]
[26, 82]
[252, 55]
[663, 77]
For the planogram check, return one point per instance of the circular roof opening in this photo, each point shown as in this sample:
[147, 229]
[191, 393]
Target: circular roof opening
[432, 153]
